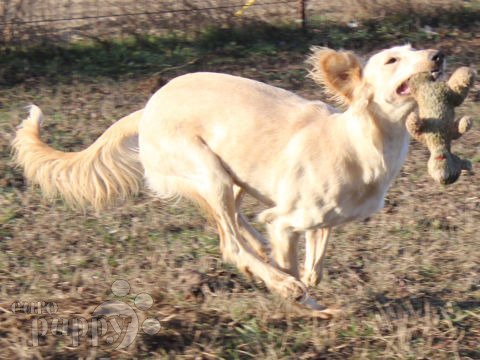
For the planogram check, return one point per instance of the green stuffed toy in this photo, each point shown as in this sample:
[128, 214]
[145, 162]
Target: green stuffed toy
[435, 125]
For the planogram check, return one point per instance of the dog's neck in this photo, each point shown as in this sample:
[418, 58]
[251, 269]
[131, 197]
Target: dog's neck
[393, 113]
[386, 132]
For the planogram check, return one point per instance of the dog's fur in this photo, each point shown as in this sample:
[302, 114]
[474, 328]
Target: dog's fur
[213, 137]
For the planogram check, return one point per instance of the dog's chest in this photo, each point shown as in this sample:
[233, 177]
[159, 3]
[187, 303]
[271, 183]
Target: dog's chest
[353, 202]
[361, 202]
[356, 192]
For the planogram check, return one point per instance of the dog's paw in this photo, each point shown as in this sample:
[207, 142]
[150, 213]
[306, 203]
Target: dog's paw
[309, 307]
[290, 288]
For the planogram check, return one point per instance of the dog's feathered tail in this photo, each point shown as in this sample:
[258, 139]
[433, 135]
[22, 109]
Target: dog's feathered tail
[107, 171]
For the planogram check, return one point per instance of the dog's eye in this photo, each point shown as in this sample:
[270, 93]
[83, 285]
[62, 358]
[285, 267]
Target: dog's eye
[391, 61]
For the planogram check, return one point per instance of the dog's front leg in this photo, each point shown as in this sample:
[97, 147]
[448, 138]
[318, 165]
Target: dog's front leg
[316, 242]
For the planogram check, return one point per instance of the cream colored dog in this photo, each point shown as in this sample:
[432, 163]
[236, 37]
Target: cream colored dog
[214, 137]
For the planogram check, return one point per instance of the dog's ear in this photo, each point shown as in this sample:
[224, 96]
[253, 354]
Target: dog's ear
[338, 72]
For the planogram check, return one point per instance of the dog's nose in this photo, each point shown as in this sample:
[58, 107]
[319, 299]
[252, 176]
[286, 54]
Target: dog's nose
[437, 57]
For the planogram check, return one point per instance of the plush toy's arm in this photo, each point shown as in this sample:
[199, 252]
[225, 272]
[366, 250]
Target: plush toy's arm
[459, 83]
[461, 126]
[415, 126]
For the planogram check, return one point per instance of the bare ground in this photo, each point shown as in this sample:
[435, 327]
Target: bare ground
[407, 279]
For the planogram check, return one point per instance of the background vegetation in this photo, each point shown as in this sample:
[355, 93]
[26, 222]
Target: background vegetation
[407, 279]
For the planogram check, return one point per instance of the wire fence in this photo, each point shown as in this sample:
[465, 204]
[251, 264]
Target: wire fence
[29, 21]
[32, 21]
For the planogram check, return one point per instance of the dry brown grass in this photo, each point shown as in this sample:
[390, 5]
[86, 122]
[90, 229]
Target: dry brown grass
[408, 279]
[348, 10]
[34, 21]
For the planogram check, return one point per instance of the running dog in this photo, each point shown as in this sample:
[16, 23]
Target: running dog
[213, 138]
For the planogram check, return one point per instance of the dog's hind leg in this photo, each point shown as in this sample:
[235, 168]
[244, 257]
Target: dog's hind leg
[202, 176]
[284, 247]
[316, 242]
[255, 240]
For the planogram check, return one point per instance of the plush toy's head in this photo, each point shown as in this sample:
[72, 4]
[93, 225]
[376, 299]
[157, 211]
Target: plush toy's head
[435, 124]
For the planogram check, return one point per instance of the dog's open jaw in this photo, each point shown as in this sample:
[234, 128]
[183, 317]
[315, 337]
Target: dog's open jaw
[404, 89]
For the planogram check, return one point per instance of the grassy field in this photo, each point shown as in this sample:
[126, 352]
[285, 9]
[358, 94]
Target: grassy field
[407, 279]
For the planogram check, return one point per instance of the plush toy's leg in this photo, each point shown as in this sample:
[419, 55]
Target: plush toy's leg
[462, 164]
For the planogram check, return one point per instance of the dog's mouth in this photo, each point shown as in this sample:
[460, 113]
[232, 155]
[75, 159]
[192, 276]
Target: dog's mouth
[404, 88]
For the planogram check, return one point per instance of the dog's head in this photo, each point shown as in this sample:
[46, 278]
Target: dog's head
[383, 79]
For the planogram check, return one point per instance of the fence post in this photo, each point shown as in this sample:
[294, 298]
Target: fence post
[301, 14]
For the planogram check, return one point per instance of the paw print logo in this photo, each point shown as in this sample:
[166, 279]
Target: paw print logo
[117, 323]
